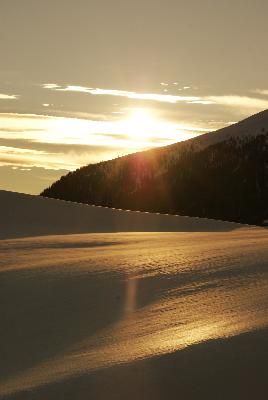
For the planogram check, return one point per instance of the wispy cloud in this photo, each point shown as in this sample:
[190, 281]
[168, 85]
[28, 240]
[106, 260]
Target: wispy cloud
[263, 92]
[165, 98]
[74, 142]
[51, 86]
[15, 150]
[251, 104]
[28, 158]
[23, 157]
[48, 129]
[8, 96]
[203, 101]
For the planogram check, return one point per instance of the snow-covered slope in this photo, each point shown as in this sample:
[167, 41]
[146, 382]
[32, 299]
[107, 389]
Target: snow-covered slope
[27, 215]
[135, 316]
[248, 128]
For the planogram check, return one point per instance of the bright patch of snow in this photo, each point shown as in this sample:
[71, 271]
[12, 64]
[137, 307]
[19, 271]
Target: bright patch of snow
[250, 127]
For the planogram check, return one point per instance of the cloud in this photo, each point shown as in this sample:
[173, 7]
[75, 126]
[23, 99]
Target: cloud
[251, 104]
[54, 148]
[28, 158]
[50, 86]
[204, 102]
[75, 131]
[30, 140]
[15, 150]
[263, 92]
[22, 157]
[165, 98]
[8, 96]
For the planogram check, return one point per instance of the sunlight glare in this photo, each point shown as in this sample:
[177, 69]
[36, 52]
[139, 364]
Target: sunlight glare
[142, 126]
[141, 123]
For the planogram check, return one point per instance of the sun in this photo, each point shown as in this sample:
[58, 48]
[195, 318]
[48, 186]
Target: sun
[141, 123]
[145, 128]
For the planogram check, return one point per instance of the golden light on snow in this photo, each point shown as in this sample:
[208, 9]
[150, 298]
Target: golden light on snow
[151, 293]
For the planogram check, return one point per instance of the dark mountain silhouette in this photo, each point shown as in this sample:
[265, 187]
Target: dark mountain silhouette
[221, 175]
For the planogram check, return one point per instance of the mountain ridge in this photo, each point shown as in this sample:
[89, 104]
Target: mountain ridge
[221, 175]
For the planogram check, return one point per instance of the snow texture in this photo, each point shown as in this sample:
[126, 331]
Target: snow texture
[129, 315]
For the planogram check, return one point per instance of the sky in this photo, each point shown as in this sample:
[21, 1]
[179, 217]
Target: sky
[88, 80]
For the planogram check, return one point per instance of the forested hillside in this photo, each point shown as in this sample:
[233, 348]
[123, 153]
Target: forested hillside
[226, 180]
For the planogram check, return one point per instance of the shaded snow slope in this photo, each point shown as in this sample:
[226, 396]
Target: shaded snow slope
[26, 215]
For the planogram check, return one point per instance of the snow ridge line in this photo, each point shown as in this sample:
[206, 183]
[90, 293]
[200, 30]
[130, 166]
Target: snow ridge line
[126, 211]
